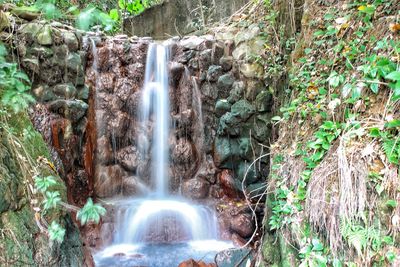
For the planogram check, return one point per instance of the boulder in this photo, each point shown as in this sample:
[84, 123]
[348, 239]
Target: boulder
[44, 36]
[226, 152]
[65, 90]
[104, 151]
[243, 109]
[227, 183]
[70, 39]
[221, 107]
[128, 158]
[70, 109]
[195, 188]
[237, 92]
[252, 70]
[243, 224]
[225, 82]
[226, 63]
[213, 73]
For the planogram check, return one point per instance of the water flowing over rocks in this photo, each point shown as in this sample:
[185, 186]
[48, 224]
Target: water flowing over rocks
[91, 104]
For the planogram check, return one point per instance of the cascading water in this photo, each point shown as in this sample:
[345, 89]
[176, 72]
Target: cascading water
[163, 229]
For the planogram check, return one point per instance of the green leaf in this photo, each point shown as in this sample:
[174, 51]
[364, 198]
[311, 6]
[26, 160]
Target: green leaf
[276, 118]
[391, 203]
[393, 124]
[114, 14]
[394, 76]
[56, 232]
[317, 245]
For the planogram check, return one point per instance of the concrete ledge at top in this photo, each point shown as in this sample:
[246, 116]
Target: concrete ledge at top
[179, 17]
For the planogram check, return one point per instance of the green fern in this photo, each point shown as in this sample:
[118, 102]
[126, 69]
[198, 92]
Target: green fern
[392, 150]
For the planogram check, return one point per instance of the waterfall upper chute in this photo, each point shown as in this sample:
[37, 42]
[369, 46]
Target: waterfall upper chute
[154, 113]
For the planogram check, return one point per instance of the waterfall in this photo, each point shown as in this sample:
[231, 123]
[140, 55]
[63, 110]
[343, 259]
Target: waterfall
[160, 221]
[154, 110]
[161, 217]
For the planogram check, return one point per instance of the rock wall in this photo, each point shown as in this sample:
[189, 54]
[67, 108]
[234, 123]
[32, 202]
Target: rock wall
[88, 90]
[52, 54]
[180, 17]
[220, 110]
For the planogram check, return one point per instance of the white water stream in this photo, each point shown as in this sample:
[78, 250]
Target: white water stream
[159, 223]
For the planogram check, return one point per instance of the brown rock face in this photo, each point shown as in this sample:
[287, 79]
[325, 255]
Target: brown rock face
[193, 263]
[195, 188]
[109, 180]
[243, 224]
[227, 183]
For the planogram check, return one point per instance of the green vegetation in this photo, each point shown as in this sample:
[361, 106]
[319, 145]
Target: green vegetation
[350, 68]
[106, 15]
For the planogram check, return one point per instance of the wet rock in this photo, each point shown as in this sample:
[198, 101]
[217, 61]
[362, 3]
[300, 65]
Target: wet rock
[193, 64]
[44, 36]
[66, 91]
[104, 151]
[252, 70]
[244, 171]
[71, 109]
[227, 183]
[108, 181]
[213, 73]
[226, 63]
[176, 69]
[237, 92]
[182, 152]
[225, 82]
[186, 56]
[132, 186]
[243, 224]
[123, 90]
[128, 157]
[237, 240]
[195, 188]
[256, 191]
[118, 125]
[221, 107]
[242, 109]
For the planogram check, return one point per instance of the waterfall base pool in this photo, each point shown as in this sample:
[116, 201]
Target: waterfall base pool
[159, 255]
